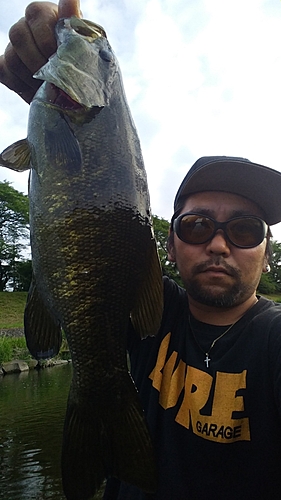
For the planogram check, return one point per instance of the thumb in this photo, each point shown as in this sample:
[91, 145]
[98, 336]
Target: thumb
[68, 8]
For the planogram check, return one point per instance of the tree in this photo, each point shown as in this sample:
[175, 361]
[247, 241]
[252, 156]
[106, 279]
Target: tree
[267, 285]
[22, 276]
[14, 230]
[161, 230]
[275, 264]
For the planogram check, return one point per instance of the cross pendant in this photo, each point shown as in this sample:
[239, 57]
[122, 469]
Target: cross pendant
[206, 360]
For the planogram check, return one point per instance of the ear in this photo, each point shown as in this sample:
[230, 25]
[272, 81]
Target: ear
[171, 255]
[171, 248]
[266, 266]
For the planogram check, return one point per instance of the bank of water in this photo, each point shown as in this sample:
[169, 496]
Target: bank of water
[32, 409]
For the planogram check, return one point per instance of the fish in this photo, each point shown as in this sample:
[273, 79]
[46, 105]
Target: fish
[94, 255]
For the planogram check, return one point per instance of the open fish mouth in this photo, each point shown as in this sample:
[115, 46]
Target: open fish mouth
[83, 27]
[57, 97]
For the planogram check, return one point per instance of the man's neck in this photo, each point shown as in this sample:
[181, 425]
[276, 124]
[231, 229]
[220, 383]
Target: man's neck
[218, 315]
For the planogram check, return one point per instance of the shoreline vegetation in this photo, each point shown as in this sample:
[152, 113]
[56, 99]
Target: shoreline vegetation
[15, 357]
[14, 354]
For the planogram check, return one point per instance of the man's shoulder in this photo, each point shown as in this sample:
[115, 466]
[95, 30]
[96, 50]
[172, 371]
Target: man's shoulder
[266, 318]
[268, 307]
[175, 304]
[172, 290]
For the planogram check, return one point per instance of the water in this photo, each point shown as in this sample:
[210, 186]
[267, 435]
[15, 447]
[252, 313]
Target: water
[32, 408]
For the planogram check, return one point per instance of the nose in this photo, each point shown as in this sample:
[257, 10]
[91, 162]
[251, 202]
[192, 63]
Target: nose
[218, 245]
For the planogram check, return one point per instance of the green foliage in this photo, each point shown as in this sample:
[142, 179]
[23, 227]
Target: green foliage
[161, 230]
[13, 204]
[5, 350]
[13, 231]
[23, 275]
[270, 283]
[12, 306]
[275, 264]
[267, 286]
[13, 348]
[12, 309]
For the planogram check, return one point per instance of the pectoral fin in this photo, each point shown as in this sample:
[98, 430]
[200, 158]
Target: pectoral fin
[62, 147]
[147, 313]
[17, 156]
[42, 330]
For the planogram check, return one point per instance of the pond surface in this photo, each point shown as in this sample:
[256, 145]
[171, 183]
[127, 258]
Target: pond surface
[32, 409]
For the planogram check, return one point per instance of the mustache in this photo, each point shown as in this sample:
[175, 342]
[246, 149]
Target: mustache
[217, 261]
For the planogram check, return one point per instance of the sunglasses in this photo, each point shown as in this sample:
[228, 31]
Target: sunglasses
[243, 232]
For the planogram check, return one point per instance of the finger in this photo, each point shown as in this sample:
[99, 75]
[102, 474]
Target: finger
[18, 68]
[68, 8]
[25, 47]
[32, 43]
[14, 83]
[41, 19]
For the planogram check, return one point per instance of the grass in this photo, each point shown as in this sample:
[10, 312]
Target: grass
[13, 348]
[12, 306]
[276, 297]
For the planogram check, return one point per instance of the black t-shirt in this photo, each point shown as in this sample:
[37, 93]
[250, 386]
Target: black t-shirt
[216, 430]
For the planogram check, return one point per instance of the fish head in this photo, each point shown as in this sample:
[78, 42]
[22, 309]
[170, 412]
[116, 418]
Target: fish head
[84, 66]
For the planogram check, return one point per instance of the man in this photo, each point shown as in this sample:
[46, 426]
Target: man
[210, 381]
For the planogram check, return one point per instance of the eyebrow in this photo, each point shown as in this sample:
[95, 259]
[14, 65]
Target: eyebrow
[211, 213]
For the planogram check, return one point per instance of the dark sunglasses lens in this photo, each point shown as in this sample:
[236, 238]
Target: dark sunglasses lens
[246, 232]
[195, 229]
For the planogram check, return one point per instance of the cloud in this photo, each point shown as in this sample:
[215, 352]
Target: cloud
[201, 78]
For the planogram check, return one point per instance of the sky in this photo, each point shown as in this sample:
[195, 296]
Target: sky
[202, 77]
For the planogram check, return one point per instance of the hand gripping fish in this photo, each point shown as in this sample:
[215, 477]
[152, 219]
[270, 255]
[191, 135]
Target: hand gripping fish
[95, 262]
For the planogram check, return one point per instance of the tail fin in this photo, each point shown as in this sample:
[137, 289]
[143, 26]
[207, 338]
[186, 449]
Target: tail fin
[107, 440]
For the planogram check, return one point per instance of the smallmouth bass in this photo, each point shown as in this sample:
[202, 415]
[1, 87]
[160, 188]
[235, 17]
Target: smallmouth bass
[94, 256]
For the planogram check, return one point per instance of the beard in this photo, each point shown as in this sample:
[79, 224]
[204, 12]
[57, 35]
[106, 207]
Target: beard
[218, 295]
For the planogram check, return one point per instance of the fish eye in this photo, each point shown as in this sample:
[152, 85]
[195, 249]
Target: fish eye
[105, 55]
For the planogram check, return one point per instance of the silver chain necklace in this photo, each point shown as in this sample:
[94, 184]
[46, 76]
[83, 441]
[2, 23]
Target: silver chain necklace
[207, 359]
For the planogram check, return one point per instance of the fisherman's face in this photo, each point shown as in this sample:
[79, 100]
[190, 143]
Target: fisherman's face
[217, 273]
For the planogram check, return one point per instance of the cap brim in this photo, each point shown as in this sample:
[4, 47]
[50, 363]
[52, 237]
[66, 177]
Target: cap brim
[258, 183]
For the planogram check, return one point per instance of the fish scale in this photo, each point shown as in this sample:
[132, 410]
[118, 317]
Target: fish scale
[94, 256]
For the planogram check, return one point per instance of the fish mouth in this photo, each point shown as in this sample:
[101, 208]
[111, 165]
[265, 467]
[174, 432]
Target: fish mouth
[57, 97]
[84, 27]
